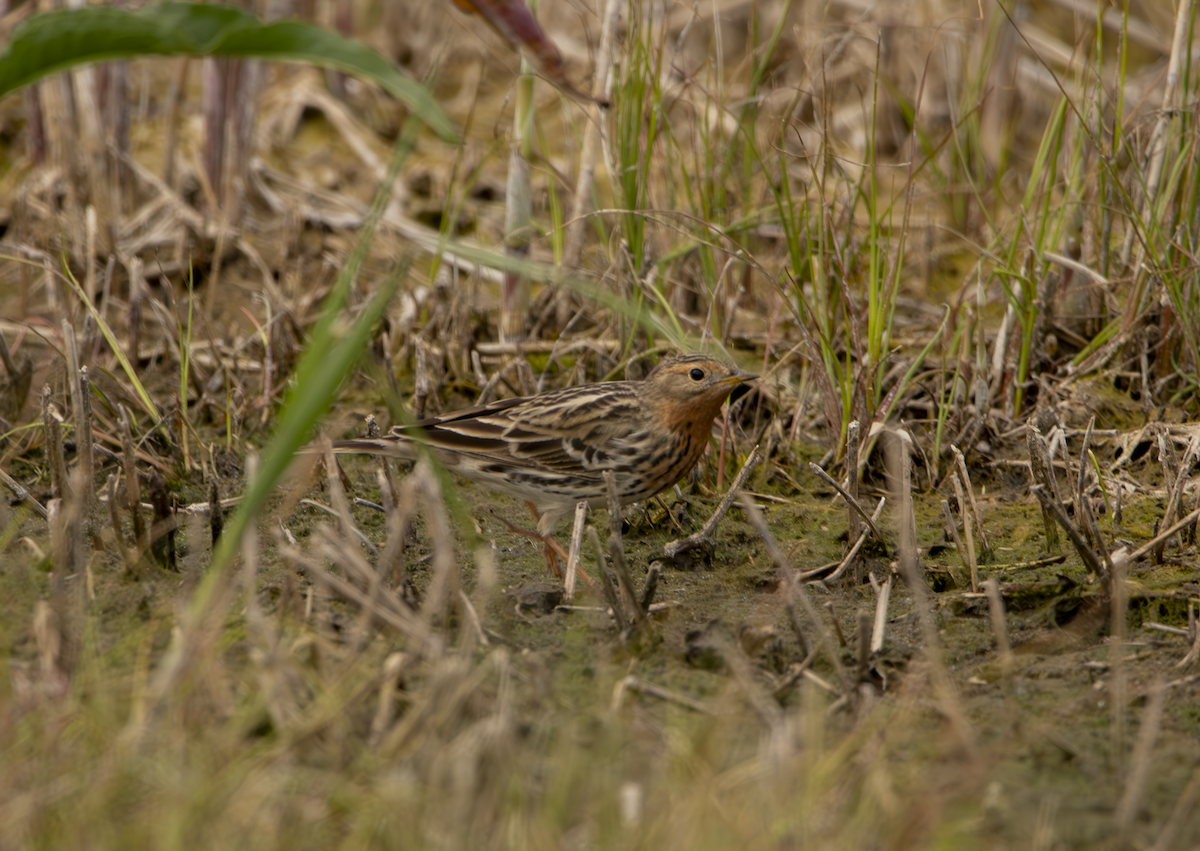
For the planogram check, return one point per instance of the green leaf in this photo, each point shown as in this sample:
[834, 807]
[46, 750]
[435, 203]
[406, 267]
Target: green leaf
[63, 39]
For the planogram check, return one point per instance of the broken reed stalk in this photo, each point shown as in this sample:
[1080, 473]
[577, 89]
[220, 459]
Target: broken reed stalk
[162, 529]
[1081, 480]
[72, 357]
[899, 467]
[133, 494]
[963, 511]
[89, 278]
[999, 625]
[616, 546]
[882, 600]
[853, 441]
[83, 440]
[652, 577]
[390, 560]
[851, 501]
[1003, 645]
[837, 627]
[54, 445]
[1119, 604]
[256, 625]
[1053, 509]
[581, 508]
[968, 563]
[863, 645]
[1042, 472]
[606, 582]
[67, 563]
[1093, 530]
[127, 558]
[216, 517]
[136, 287]
[1176, 493]
[906, 518]
[961, 464]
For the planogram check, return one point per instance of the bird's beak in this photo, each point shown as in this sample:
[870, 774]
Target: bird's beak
[739, 376]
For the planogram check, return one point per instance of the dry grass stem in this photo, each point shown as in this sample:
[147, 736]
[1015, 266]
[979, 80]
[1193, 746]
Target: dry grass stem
[616, 547]
[633, 683]
[54, 445]
[1140, 761]
[853, 448]
[1184, 810]
[606, 581]
[792, 587]
[965, 476]
[882, 601]
[899, 475]
[602, 88]
[1119, 606]
[83, 440]
[133, 493]
[963, 511]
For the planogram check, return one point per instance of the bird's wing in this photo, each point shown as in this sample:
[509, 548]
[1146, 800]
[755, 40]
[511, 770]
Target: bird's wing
[577, 430]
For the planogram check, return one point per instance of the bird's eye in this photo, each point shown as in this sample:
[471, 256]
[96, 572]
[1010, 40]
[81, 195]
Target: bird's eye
[697, 374]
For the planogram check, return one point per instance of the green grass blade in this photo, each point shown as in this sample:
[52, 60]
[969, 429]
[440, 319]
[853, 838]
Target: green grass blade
[65, 38]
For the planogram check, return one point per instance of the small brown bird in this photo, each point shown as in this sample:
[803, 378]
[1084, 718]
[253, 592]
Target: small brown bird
[551, 450]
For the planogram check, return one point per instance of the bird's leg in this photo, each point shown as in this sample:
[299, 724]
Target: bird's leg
[553, 549]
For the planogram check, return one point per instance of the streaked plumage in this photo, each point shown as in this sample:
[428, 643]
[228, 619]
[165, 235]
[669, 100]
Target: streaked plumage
[551, 450]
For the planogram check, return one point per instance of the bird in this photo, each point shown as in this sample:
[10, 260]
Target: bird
[551, 450]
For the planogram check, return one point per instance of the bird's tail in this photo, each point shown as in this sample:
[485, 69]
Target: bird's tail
[383, 445]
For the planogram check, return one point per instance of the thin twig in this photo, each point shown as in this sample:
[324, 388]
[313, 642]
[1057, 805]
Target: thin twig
[851, 501]
[22, 494]
[700, 538]
[850, 557]
[581, 508]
